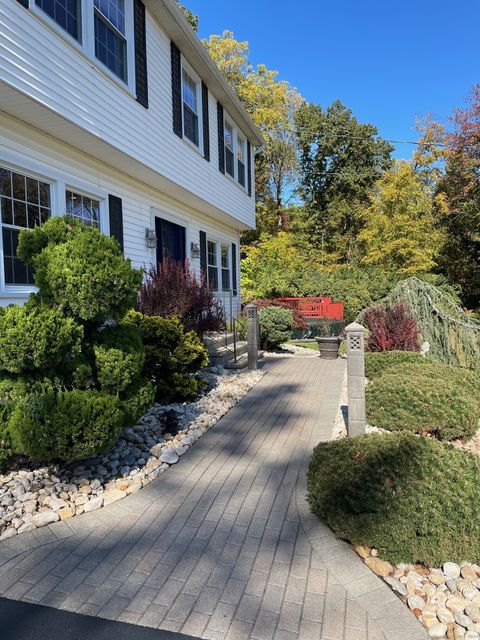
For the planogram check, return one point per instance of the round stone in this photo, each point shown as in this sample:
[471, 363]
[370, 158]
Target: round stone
[462, 619]
[416, 602]
[438, 630]
[451, 570]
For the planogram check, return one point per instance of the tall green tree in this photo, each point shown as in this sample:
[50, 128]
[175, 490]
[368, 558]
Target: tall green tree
[401, 233]
[340, 161]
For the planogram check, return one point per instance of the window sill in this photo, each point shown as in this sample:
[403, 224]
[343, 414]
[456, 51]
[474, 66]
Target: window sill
[235, 181]
[192, 145]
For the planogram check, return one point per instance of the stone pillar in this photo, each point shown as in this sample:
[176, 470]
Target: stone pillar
[252, 335]
[356, 379]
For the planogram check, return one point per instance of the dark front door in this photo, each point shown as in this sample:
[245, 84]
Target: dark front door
[170, 241]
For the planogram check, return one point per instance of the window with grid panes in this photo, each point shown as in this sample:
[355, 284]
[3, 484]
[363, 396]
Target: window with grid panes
[83, 208]
[241, 155]
[110, 41]
[212, 267]
[190, 108]
[66, 13]
[225, 256]
[229, 156]
[24, 204]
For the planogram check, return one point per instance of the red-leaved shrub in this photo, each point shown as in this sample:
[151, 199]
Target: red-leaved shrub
[173, 289]
[299, 321]
[391, 328]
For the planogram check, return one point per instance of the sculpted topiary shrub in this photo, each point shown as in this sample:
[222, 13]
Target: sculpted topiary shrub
[78, 374]
[172, 356]
[36, 337]
[82, 270]
[377, 363]
[119, 357]
[423, 403]
[276, 325]
[413, 498]
[66, 425]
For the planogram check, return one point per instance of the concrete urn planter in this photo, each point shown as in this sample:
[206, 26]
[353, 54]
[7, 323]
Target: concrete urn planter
[328, 347]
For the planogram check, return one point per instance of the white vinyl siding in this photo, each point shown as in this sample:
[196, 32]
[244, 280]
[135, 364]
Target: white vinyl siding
[64, 169]
[37, 66]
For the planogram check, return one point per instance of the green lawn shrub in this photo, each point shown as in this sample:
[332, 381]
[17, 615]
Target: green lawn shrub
[119, 357]
[66, 425]
[137, 399]
[82, 270]
[36, 338]
[414, 499]
[423, 401]
[172, 356]
[377, 363]
[276, 326]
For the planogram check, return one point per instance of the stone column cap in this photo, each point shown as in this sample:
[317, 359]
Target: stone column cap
[354, 326]
[251, 304]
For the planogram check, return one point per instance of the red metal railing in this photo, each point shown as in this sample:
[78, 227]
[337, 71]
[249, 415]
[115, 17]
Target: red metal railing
[315, 307]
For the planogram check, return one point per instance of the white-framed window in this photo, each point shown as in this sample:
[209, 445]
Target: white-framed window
[110, 38]
[66, 13]
[82, 207]
[212, 264]
[235, 149]
[225, 260]
[241, 159]
[190, 108]
[25, 202]
[229, 149]
[191, 105]
[102, 30]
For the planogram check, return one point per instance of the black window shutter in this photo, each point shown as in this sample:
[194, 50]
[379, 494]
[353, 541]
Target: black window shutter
[24, 3]
[206, 123]
[221, 138]
[234, 268]
[141, 84]
[203, 252]
[115, 213]
[249, 168]
[176, 89]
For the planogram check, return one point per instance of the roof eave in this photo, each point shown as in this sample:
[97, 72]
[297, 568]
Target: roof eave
[178, 29]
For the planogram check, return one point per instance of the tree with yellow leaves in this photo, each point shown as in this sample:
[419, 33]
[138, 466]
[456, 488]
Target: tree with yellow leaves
[401, 233]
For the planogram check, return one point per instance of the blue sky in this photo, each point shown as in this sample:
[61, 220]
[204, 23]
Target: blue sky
[388, 60]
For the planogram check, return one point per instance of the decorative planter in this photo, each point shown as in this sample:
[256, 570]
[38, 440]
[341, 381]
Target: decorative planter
[328, 347]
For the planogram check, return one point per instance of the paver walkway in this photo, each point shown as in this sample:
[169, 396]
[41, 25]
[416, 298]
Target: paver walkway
[222, 546]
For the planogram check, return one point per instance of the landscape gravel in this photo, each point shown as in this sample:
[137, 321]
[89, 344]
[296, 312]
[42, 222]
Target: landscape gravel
[34, 495]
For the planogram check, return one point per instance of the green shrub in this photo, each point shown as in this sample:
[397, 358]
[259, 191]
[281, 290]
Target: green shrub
[119, 357]
[67, 426]
[37, 337]
[137, 400]
[276, 326]
[412, 498]
[423, 403]
[390, 361]
[55, 231]
[171, 356]
[82, 270]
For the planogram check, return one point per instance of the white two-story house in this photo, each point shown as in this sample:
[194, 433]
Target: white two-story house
[112, 111]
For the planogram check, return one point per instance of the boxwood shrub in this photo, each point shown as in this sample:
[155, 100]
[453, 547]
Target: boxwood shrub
[423, 402]
[414, 499]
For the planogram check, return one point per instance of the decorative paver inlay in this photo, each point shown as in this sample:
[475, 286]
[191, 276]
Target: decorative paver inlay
[223, 545]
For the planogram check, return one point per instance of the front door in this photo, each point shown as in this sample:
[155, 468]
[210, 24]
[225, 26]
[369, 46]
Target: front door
[170, 241]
